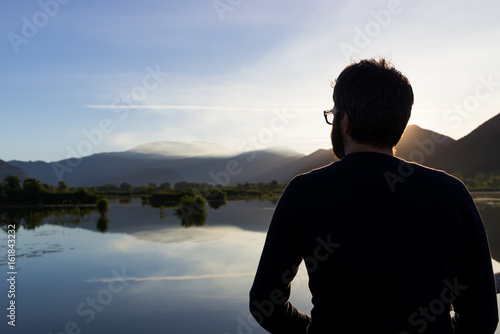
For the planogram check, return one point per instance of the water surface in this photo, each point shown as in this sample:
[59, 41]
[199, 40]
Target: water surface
[149, 274]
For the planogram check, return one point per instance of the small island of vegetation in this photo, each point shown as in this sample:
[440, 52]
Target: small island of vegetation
[33, 202]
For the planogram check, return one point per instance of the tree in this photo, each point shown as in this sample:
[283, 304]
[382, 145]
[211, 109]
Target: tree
[12, 184]
[494, 181]
[126, 187]
[181, 185]
[192, 211]
[109, 187]
[102, 205]
[32, 193]
[49, 187]
[165, 186]
[141, 189]
[62, 187]
[274, 185]
[32, 186]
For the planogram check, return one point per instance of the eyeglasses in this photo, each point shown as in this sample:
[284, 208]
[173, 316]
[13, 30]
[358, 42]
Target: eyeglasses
[329, 115]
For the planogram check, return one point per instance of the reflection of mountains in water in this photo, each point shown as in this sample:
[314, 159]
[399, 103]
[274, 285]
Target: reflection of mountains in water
[200, 234]
[151, 224]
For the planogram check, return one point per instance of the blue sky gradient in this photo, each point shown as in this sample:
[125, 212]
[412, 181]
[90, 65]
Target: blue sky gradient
[228, 69]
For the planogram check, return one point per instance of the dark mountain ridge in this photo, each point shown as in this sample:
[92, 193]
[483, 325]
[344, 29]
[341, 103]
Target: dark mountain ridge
[7, 169]
[139, 168]
[478, 152]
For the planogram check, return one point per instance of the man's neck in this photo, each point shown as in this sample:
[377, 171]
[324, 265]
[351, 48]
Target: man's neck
[353, 147]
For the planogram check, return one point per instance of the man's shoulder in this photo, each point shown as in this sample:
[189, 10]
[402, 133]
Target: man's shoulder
[317, 173]
[435, 178]
[315, 179]
[405, 169]
[433, 173]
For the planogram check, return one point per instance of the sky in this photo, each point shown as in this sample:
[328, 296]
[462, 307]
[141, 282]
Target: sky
[80, 77]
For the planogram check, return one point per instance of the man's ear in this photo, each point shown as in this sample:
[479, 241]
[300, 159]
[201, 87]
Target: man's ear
[346, 124]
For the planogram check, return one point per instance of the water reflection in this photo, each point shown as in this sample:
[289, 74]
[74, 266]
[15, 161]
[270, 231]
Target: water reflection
[102, 224]
[129, 215]
[32, 217]
[168, 274]
[192, 211]
[216, 204]
[489, 208]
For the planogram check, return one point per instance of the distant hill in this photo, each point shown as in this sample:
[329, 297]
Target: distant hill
[315, 160]
[478, 152]
[141, 168]
[148, 175]
[7, 169]
[97, 169]
[40, 170]
[418, 144]
[174, 162]
[475, 153]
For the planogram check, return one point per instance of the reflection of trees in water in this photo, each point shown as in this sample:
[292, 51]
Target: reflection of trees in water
[32, 217]
[216, 204]
[125, 199]
[102, 224]
[274, 199]
[216, 198]
[192, 211]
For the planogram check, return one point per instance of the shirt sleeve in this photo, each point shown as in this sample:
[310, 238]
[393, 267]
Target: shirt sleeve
[475, 292]
[279, 262]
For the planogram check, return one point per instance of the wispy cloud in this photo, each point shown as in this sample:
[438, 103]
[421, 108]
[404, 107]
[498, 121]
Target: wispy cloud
[169, 278]
[184, 107]
[264, 55]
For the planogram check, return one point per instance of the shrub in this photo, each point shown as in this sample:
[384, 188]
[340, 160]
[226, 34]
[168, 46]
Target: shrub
[102, 205]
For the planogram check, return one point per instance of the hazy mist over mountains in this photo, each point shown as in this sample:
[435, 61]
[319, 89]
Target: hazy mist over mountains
[206, 162]
[182, 149]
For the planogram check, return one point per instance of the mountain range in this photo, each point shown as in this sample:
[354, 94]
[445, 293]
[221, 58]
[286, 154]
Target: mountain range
[204, 162]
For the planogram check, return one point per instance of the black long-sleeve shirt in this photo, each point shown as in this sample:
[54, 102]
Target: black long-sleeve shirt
[388, 245]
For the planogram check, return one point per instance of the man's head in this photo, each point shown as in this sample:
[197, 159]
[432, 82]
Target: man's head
[377, 99]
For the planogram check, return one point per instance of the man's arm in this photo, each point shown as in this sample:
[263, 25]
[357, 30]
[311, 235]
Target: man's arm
[476, 305]
[280, 259]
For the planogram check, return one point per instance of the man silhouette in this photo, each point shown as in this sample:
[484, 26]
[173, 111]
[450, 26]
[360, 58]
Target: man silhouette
[389, 246]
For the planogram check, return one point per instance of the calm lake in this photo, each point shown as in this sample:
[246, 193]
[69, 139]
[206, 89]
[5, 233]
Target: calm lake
[143, 272]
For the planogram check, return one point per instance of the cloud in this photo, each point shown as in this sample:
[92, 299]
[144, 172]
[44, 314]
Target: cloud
[224, 75]
[184, 107]
[169, 278]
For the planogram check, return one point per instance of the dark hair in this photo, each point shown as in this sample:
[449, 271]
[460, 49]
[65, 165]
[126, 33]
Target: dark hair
[378, 99]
